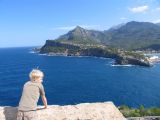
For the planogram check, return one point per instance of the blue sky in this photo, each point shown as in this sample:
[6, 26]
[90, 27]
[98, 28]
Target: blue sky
[31, 22]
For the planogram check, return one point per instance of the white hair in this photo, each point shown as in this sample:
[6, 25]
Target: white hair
[36, 75]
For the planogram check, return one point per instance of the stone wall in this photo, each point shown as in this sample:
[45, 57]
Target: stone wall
[83, 111]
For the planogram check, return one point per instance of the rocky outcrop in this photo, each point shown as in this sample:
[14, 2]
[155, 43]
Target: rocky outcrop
[84, 111]
[67, 49]
[124, 60]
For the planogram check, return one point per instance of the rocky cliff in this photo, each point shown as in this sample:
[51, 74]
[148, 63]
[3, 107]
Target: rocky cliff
[84, 111]
[121, 57]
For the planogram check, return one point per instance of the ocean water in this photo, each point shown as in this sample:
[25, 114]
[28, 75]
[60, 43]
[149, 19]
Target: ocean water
[73, 80]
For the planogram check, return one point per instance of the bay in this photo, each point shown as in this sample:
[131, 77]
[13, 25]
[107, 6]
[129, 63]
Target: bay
[73, 80]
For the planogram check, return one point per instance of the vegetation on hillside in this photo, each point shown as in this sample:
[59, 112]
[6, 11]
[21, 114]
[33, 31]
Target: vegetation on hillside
[130, 36]
[134, 35]
[139, 112]
[117, 43]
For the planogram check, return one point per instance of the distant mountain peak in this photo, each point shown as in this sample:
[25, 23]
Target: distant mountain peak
[138, 23]
[116, 27]
[130, 35]
[78, 31]
[134, 23]
[78, 28]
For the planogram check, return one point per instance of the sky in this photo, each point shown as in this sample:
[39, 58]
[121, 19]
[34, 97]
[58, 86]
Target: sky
[31, 22]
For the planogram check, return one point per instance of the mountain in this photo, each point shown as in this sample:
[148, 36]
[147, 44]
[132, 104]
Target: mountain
[113, 43]
[134, 35]
[158, 24]
[121, 57]
[129, 36]
[80, 35]
[116, 27]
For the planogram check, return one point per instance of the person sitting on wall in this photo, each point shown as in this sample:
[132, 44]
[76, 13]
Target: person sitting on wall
[32, 90]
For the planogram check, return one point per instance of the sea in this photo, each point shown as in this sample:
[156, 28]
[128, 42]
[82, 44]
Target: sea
[74, 80]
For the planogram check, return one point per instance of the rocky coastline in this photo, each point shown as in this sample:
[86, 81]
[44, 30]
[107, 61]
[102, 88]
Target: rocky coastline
[121, 57]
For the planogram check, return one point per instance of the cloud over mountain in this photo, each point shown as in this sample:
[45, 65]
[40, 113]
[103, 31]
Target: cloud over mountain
[139, 9]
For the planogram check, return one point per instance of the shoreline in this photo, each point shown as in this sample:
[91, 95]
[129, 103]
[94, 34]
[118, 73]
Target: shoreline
[58, 55]
[114, 63]
[151, 61]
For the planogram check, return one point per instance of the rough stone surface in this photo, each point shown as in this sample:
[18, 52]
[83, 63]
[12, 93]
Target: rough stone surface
[84, 111]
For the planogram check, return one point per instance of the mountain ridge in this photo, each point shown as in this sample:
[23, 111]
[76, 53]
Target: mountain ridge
[116, 43]
[130, 36]
[134, 35]
[82, 36]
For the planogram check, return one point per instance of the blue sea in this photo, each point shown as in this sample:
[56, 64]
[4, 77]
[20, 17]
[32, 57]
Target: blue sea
[73, 80]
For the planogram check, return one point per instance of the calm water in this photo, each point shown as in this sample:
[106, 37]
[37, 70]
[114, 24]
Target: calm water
[72, 80]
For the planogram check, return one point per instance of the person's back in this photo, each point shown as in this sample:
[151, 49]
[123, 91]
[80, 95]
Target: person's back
[31, 92]
[30, 95]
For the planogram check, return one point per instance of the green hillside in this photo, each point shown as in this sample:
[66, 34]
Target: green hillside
[129, 36]
[134, 35]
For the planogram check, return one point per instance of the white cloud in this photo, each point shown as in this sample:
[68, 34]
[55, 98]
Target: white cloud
[139, 9]
[123, 18]
[156, 21]
[158, 8]
[72, 27]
